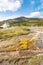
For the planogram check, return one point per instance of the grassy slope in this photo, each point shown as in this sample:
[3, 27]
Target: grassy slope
[12, 32]
[24, 21]
[30, 22]
[8, 34]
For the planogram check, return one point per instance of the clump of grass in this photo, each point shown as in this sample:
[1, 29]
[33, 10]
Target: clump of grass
[36, 60]
[23, 44]
[9, 33]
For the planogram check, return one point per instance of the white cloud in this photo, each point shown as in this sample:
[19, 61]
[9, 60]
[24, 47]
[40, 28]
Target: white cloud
[31, 15]
[9, 17]
[12, 5]
[36, 15]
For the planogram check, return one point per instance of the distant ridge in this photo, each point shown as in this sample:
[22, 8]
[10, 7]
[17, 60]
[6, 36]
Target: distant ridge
[21, 20]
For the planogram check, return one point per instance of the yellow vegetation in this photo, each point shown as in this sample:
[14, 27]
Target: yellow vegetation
[26, 44]
[23, 44]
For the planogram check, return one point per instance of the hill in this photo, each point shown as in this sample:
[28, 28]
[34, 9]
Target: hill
[24, 21]
[21, 44]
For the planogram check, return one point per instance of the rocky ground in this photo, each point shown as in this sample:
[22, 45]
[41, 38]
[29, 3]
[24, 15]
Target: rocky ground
[12, 54]
[31, 59]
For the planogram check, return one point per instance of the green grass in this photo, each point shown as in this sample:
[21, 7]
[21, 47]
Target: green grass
[9, 33]
[27, 23]
[36, 60]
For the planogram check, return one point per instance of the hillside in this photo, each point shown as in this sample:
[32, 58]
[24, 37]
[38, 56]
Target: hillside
[20, 38]
[22, 42]
[24, 21]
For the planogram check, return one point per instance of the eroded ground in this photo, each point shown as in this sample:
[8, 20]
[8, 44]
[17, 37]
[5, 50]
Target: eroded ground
[21, 46]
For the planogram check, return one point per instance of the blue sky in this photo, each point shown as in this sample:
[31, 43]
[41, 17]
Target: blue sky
[16, 8]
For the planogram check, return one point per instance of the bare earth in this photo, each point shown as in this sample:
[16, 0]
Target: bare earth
[6, 55]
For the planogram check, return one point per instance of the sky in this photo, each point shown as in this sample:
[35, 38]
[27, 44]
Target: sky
[15, 8]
